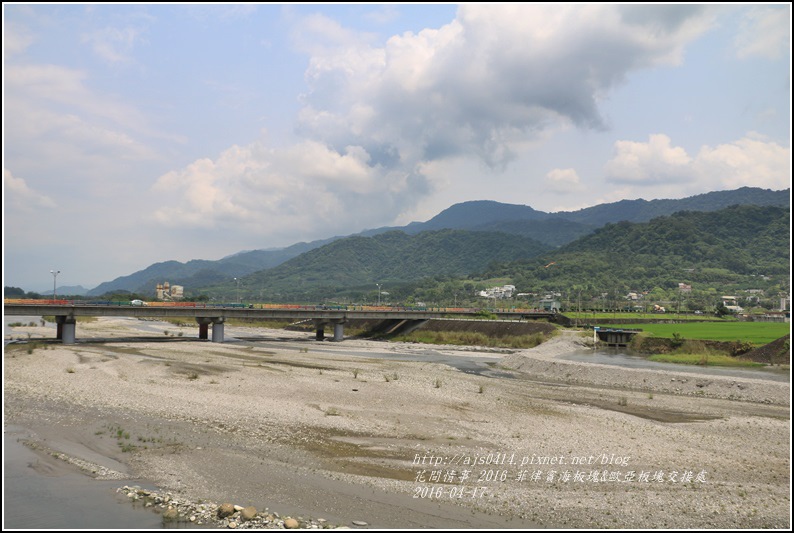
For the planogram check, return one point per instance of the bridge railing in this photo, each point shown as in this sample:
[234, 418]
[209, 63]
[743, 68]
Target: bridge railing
[275, 306]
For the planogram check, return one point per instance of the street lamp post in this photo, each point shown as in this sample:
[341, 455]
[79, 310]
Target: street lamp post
[238, 289]
[378, 284]
[54, 278]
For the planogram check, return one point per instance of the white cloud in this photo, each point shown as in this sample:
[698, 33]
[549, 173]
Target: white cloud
[18, 195]
[765, 32]
[55, 116]
[16, 39]
[751, 161]
[67, 91]
[487, 81]
[304, 188]
[114, 45]
[384, 14]
[654, 162]
[379, 122]
[563, 181]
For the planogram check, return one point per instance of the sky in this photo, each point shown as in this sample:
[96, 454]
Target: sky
[141, 133]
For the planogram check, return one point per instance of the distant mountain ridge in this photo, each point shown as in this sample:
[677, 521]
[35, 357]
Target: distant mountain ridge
[201, 272]
[702, 247]
[551, 229]
[393, 257]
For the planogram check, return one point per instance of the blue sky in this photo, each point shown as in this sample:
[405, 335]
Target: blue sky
[138, 133]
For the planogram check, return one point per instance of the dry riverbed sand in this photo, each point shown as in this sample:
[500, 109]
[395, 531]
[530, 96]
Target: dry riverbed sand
[326, 430]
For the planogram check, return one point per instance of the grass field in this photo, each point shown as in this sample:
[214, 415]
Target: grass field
[589, 317]
[704, 359]
[757, 333]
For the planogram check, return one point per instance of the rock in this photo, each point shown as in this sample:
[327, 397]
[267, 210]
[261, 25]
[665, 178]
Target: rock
[359, 523]
[225, 509]
[170, 514]
[291, 523]
[238, 507]
[232, 525]
[247, 513]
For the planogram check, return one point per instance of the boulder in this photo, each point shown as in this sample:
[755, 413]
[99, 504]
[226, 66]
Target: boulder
[225, 510]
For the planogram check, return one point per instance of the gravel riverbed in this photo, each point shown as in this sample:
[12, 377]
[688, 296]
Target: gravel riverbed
[331, 436]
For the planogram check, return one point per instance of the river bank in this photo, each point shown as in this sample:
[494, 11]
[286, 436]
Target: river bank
[322, 430]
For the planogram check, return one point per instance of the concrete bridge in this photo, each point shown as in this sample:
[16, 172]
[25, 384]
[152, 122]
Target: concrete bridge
[206, 315]
[615, 337]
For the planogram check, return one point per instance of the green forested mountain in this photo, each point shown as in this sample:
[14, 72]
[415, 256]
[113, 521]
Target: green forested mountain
[390, 258]
[201, 272]
[556, 229]
[644, 210]
[714, 252]
[552, 229]
[721, 249]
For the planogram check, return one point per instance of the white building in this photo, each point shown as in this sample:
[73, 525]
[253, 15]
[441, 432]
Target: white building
[166, 291]
[498, 293]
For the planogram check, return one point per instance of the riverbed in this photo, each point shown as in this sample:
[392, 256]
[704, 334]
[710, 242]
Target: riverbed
[346, 431]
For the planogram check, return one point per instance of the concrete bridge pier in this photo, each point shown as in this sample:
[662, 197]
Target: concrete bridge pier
[217, 329]
[339, 330]
[319, 327]
[203, 324]
[65, 329]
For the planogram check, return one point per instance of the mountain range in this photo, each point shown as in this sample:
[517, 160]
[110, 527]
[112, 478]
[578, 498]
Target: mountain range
[463, 239]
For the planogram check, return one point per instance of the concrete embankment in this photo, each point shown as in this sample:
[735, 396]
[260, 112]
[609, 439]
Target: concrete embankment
[495, 328]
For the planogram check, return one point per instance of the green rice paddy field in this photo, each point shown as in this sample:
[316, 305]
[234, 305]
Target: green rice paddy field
[757, 333]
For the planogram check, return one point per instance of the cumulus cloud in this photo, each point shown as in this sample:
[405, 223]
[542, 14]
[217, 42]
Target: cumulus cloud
[18, 195]
[765, 32]
[304, 188]
[563, 181]
[750, 161]
[376, 118]
[651, 163]
[489, 79]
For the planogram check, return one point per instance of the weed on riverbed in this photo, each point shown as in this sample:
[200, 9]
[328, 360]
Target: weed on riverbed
[127, 444]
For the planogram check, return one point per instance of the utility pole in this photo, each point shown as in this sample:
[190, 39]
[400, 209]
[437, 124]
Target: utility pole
[54, 277]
